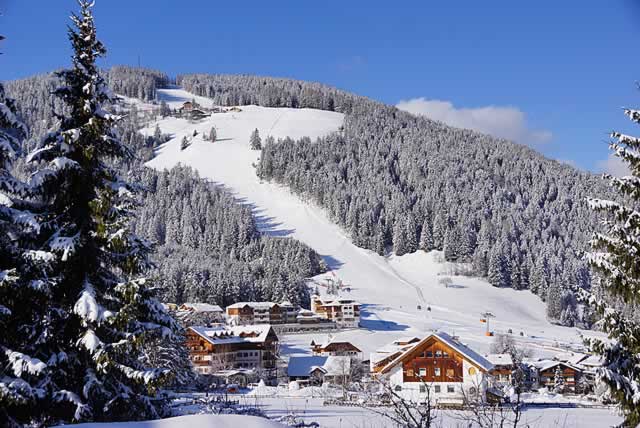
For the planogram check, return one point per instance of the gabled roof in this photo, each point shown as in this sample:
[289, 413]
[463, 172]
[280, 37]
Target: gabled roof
[544, 365]
[220, 335]
[202, 307]
[471, 355]
[303, 366]
[499, 359]
[333, 344]
[571, 357]
[255, 305]
[592, 361]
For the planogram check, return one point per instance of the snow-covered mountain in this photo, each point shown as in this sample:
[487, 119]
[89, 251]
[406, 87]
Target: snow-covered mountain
[391, 288]
[397, 292]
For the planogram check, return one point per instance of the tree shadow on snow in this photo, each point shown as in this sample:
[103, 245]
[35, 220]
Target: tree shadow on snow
[266, 224]
[331, 262]
[288, 349]
[371, 321]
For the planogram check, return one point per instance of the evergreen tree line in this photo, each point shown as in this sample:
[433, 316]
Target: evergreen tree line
[82, 333]
[234, 90]
[136, 82]
[210, 264]
[400, 183]
[209, 249]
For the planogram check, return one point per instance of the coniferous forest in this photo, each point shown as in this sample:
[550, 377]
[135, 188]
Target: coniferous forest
[92, 242]
[395, 182]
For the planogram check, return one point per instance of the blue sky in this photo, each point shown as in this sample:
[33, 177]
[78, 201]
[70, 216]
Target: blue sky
[551, 74]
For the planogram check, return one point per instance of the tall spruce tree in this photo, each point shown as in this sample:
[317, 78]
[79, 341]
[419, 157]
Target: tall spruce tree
[21, 382]
[84, 358]
[616, 257]
[254, 140]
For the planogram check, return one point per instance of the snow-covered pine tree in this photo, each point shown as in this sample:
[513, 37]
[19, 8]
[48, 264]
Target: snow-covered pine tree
[558, 380]
[616, 257]
[22, 383]
[184, 143]
[99, 310]
[157, 133]
[254, 141]
[213, 135]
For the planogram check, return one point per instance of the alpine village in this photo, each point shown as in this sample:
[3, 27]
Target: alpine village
[230, 250]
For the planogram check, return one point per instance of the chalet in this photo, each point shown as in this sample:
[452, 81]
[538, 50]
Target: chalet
[503, 368]
[383, 356]
[187, 106]
[197, 114]
[316, 370]
[261, 313]
[305, 316]
[235, 109]
[198, 314]
[450, 369]
[337, 349]
[549, 370]
[344, 312]
[219, 348]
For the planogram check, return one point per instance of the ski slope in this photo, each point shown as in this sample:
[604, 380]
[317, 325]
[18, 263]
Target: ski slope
[391, 289]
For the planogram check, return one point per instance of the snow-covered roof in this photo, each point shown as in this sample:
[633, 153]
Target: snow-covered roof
[306, 313]
[543, 365]
[254, 305]
[334, 342]
[499, 359]
[592, 361]
[303, 366]
[221, 334]
[463, 349]
[202, 307]
[570, 357]
[335, 301]
[403, 341]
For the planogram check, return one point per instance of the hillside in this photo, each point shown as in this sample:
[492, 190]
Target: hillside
[391, 288]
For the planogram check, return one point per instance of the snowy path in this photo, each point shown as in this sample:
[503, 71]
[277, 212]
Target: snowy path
[390, 288]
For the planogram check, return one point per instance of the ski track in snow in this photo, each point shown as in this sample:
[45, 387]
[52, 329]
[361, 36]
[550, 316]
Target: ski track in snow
[390, 288]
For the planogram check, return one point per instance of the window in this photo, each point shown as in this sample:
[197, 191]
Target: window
[436, 388]
[398, 388]
[423, 389]
[472, 371]
[429, 354]
[423, 355]
[423, 372]
[436, 371]
[438, 354]
[445, 354]
[450, 373]
[450, 388]
[410, 372]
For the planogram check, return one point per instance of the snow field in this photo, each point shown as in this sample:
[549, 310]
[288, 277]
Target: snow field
[390, 288]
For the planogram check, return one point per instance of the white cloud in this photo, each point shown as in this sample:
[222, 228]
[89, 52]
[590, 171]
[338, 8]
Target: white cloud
[613, 165]
[504, 122]
[569, 162]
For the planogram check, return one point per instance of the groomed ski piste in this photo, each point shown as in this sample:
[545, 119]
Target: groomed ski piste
[395, 292]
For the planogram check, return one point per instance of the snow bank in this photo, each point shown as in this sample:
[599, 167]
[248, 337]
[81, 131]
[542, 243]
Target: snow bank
[192, 421]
